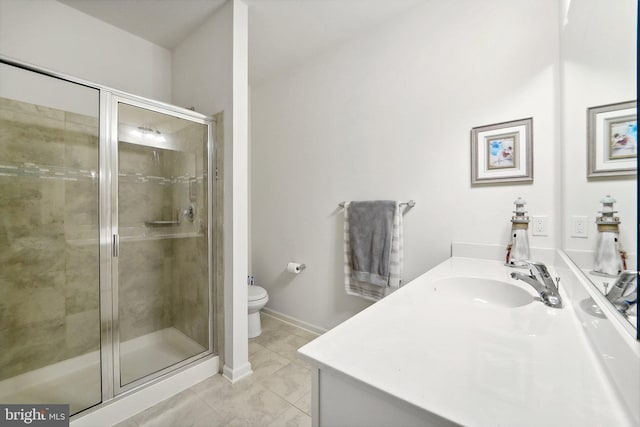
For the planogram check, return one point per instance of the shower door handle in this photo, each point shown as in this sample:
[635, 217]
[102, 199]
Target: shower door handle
[116, 245]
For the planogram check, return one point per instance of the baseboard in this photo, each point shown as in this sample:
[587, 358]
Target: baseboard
[293, 321]
[235, 374]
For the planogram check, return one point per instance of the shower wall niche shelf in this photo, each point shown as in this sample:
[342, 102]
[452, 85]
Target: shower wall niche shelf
[160, 237]
[161, 223]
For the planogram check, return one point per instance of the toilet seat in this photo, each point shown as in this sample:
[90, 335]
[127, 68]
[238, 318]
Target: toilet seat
[256, 293]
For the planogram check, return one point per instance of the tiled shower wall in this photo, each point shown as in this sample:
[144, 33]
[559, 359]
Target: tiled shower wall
[48, 236]
[164, 272]
[145, 267]
[190, 290]
[49, 258]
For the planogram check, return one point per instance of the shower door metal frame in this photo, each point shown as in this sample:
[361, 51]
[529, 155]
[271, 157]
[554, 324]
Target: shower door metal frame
[107, 196]
[102, 176]
[104, 220]
[112, 102]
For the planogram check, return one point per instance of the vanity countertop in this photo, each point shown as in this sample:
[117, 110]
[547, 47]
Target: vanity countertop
[470, 361]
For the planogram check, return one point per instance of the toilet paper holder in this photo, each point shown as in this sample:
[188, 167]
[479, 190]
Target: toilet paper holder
[294, 267]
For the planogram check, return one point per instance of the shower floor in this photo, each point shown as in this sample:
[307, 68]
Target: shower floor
[155, 351]
[76, 381]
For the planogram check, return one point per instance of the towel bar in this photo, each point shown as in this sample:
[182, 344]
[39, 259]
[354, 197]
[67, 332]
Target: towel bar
[410, 203]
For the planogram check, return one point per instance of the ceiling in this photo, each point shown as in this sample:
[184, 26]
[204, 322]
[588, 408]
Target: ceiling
[282, 33]
[163, 22]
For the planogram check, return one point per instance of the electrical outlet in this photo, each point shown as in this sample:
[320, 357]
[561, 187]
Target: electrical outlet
[539, 226]
[579, 226]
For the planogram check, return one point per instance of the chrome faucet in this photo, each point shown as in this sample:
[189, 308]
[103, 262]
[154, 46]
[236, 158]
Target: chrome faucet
[623, 294]
[542, 282]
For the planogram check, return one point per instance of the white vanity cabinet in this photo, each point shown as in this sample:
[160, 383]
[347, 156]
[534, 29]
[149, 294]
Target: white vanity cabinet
[344, 401]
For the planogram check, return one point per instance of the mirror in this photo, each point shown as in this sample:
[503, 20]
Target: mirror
[598, 68]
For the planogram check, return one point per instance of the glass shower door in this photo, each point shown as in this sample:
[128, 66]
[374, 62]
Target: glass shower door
[162, 239]
[49, 241]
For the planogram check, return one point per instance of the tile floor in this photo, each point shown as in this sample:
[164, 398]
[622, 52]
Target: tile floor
[278, 394]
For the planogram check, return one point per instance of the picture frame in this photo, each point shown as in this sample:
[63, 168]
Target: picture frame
[612, 140]
[502, 153]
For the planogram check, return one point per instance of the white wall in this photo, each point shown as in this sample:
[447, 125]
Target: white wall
[55, 36]
[599, 49]
[38, 89]
[210, 74]
[388, 116]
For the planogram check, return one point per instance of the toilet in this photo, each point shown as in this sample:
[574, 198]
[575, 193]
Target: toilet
[258, 297]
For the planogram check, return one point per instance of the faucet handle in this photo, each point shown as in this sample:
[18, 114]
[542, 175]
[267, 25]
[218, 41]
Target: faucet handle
[534, 266]
[528, 262]
[541, 268]
[520, 263]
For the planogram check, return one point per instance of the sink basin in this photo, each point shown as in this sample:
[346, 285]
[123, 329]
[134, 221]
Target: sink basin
[482, 292]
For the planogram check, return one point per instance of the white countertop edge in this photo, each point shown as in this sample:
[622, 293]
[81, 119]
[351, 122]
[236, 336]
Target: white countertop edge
[612, 343]
[626, 331]
[319, 359]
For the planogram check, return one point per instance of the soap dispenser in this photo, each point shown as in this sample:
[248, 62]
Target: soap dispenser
[518, 248]
[610, 259]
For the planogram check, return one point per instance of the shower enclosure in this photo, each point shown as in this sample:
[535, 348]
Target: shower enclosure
[105, 239]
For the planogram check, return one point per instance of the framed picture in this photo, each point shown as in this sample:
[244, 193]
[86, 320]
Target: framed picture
[612, 133]
[502, 153]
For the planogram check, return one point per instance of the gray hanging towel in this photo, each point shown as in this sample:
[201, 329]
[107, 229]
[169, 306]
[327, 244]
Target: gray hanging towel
[370, 236]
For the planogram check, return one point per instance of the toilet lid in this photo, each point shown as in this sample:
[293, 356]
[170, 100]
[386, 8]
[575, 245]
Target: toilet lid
[256, 293]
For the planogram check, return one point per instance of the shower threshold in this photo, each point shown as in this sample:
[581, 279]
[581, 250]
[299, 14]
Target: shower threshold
[76, 381]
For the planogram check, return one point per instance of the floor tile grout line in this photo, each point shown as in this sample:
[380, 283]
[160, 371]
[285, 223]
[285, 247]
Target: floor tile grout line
[206, 403]
[280, 397]
[291, 363]
[300, 409]
[262, 383]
